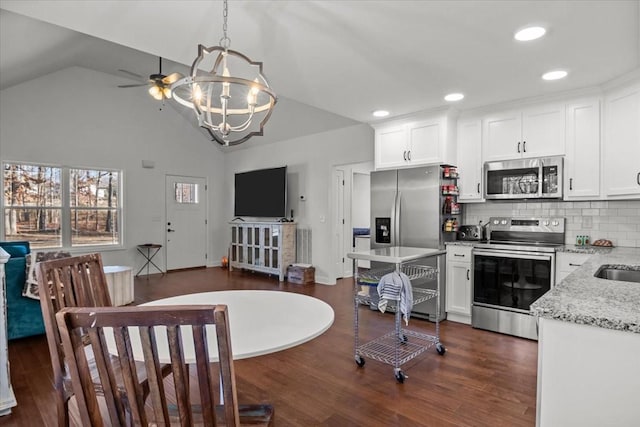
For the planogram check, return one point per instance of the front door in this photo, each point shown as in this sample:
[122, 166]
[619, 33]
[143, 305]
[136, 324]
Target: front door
[186, 226]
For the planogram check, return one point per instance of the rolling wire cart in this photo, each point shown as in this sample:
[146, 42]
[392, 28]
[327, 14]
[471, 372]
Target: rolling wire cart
[400, 345]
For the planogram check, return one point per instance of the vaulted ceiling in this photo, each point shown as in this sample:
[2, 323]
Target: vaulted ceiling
[347, 58]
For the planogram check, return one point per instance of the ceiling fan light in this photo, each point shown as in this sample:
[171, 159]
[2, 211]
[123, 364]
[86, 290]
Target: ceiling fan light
[156, 92]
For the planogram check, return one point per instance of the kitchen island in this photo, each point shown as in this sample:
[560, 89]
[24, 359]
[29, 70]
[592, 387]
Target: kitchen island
[589, 346]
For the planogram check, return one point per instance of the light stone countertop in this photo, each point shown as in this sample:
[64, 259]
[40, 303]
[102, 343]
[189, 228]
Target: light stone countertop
[584, 299]
[461, 243]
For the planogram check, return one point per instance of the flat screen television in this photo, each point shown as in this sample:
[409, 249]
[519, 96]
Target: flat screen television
[261, 193]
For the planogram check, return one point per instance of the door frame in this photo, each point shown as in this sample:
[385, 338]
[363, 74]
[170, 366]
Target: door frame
[347, 238]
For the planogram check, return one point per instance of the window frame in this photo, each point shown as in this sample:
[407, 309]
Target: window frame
[66, 209]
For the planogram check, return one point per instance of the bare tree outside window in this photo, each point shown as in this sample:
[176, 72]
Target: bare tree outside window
[32, 204]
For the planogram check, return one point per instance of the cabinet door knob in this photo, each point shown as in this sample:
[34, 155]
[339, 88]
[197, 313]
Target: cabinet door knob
[638, 178]
[468, 271]
[524, 146]
[409, 155]
[571, 183]
[404, 155]
[518, 146]
[478, 188]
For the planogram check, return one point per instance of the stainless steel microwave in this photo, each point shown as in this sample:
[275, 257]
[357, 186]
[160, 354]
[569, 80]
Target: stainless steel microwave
[539, 178]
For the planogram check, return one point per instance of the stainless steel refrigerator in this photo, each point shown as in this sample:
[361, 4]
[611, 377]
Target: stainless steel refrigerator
[406, 211]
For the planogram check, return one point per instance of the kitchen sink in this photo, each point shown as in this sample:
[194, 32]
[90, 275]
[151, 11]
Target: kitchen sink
[619, 272]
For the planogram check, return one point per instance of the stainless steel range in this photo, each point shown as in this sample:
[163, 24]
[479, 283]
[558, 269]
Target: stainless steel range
[515, 267]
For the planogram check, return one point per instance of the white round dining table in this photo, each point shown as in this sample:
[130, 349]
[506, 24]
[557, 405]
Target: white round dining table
[260, 322]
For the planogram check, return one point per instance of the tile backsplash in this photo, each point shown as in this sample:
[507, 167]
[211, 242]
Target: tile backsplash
[618, 221]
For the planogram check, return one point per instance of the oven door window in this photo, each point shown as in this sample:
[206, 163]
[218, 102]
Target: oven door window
[508, 282]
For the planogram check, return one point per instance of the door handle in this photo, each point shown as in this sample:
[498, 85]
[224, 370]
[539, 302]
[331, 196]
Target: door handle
[524, 146]
[518, 146]
[170, 230]
[571, 182]
[478, 188]
[468, 271]
[409, 155]
[638, 178]
[404, 154]
[458, 255]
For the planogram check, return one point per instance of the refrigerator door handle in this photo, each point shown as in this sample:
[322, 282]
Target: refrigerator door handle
[396, 223]
[392, 227]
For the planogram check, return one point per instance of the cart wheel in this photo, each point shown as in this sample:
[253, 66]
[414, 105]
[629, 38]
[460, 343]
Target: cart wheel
[400, 377]
[440, 349]
[359, 361]
[404, 339]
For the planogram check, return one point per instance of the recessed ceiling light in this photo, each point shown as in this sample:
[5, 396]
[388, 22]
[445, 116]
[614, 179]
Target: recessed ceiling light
[554, 75]
[529, 33]
[380, 113]
[454, 97]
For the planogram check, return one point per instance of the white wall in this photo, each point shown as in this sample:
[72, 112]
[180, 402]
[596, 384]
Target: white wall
[309, 162]
[78, 117]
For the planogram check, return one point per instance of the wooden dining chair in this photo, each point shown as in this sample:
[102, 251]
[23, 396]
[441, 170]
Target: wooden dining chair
[122, 338]
[70, 282]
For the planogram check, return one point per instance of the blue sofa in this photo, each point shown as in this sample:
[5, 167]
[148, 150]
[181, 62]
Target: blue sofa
[24, 316]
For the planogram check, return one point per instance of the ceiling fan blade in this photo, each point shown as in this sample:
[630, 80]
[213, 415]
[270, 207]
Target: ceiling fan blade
[136, 85]
[138, 76]
[172, 78]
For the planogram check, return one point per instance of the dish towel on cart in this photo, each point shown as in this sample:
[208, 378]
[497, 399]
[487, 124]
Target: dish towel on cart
[396, 287]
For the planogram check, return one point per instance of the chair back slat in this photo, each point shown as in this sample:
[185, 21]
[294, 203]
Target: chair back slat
[157, 393]
[136, 333]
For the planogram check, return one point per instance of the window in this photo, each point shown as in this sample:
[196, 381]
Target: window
[186, 192]
[54, 206]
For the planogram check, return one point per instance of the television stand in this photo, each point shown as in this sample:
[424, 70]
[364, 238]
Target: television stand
[263, 246]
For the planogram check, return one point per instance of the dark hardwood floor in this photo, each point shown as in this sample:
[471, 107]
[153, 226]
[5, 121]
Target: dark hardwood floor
[484, 379]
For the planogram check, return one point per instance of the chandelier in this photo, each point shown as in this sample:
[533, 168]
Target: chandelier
[227, 91]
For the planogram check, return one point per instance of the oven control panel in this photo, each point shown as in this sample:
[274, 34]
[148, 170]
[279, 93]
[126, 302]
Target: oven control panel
[539, 225]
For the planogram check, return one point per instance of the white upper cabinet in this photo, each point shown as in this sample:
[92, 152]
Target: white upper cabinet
[621, 146]
[391, 146]
[470, 160]
[533, 132]
[415, 141]
[582, 162]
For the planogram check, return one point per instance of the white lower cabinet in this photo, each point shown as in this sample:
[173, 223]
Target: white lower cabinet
[458, 295]
[566, 262]
[587, 376]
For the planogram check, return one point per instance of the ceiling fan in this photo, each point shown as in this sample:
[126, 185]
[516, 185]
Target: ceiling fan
[159, 84]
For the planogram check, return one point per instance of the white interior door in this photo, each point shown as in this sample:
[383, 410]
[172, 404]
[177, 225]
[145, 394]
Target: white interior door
[338, 221]
[186, 227]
